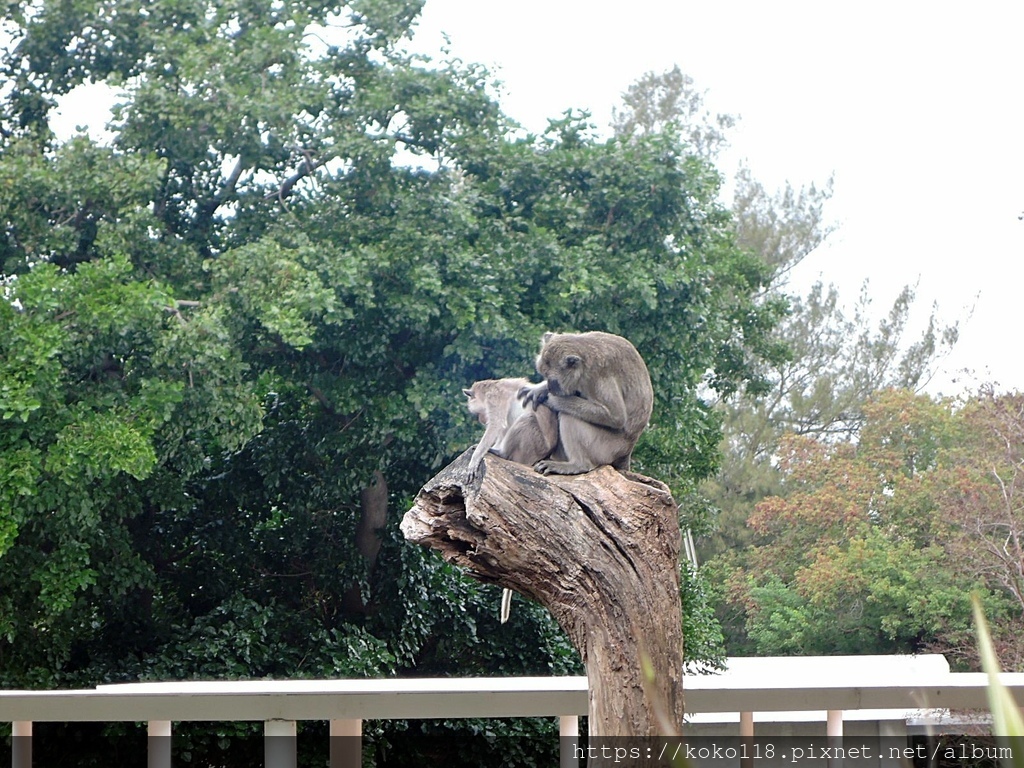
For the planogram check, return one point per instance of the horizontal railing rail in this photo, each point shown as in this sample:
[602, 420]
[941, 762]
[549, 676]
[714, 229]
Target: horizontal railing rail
[443, 698]
[745, 689]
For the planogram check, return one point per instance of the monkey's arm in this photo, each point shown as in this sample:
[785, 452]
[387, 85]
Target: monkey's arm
[494, 432]
[610, 412]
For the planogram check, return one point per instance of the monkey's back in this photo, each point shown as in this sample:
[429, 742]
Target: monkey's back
[607, 357]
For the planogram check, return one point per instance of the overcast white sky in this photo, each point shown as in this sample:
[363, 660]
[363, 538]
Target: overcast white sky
[914, 107]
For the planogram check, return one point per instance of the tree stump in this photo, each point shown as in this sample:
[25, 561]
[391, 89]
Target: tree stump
[599, 550]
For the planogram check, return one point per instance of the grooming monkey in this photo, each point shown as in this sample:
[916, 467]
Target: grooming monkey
[599, 386]
[514, 432]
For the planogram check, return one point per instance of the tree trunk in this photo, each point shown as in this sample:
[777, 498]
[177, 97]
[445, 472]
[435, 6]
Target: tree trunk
[599, 550]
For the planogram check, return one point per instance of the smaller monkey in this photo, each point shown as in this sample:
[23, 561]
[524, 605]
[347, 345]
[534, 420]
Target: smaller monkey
[521, 434]
[514, 432]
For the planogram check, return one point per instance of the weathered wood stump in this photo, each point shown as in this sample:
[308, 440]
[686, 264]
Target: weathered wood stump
[600, 551]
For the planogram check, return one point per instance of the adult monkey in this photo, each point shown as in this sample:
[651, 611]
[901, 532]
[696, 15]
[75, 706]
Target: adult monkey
[599, 386]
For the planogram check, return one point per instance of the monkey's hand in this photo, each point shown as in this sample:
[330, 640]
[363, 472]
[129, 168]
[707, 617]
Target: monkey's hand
[534, 394]
[475, 468]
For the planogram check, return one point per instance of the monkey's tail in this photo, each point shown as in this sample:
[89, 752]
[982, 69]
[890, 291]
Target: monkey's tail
[506, 604]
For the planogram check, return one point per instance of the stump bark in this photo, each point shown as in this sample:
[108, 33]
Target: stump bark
[600, 551]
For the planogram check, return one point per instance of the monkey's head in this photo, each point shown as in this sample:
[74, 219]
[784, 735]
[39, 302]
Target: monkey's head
[476, 402]
[562, 363]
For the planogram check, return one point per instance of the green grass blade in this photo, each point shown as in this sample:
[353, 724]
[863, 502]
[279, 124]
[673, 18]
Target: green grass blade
[1007, 722]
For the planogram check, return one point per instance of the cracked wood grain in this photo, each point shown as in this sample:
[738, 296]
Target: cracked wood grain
[600, 551]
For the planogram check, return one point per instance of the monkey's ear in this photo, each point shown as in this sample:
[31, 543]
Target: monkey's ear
[467, 392]
[571, 361]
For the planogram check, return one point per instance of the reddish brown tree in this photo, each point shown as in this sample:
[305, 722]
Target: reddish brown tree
[981, 501]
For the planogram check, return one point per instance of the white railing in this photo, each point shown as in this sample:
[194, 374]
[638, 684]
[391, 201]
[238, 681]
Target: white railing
[835, 687]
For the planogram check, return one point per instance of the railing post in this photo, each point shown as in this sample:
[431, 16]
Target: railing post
[279, 744]
[568, 728]
[834, 735]
[159, 744]
[834, 724]
[21, 744]
[747, 739]
[746, 725]
[568, 725]
[346, 739]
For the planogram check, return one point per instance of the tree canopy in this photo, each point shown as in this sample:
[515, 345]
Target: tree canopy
[878, 543]
[829, 360]
[234, 336]
[855, 516]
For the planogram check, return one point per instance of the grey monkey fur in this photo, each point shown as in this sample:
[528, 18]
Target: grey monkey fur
[601, 390]
[513, 431]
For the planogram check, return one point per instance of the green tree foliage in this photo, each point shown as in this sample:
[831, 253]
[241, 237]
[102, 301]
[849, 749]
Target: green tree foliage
[234, 338]
[867, 551]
